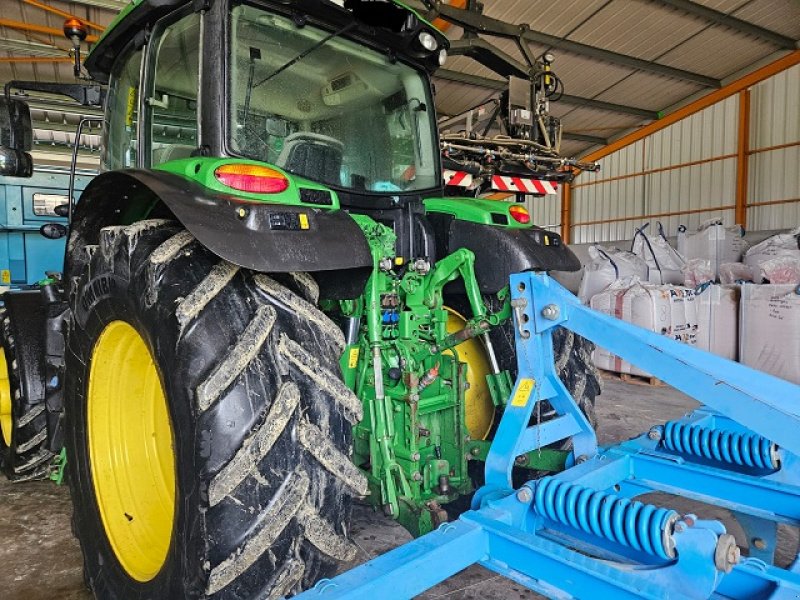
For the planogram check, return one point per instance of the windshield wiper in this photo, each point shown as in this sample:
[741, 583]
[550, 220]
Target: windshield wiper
[305, 53]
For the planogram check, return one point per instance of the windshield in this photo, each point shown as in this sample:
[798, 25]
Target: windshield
[326, 108]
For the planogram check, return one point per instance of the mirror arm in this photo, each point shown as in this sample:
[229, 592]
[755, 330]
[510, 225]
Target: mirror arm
[74, 163]
[84, 94]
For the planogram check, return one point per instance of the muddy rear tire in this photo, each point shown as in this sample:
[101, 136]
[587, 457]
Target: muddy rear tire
[23, 420]
[259, 421]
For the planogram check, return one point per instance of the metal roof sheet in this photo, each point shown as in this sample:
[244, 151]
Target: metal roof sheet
[543, 15]
[641, 29]
[718, 52]
[782, 16]
[638, 28]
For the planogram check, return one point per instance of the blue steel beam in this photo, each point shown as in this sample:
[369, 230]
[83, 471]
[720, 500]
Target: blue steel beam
[765, 404]
[410, 569]
[765, 496]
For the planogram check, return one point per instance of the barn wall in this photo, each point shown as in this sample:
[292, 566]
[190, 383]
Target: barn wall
[686, 173]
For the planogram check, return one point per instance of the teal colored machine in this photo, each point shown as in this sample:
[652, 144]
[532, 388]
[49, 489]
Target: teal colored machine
[27, 203]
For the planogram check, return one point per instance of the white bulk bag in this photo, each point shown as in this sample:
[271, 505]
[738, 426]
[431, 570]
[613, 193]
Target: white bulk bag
[718, 319]
[666, 309]
[608, 265]
[769, 330]
[784, 246]
[713, 242]
[663, 261]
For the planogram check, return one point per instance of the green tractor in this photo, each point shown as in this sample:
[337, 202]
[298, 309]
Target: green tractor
[267, 309]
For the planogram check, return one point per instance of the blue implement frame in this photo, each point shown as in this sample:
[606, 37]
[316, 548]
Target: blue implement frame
[581, 533]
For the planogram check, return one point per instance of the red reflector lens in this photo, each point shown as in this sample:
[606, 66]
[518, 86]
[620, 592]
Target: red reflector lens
[520, 214]
[252, 178]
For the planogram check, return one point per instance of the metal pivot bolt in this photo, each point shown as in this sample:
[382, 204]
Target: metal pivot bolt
[727, 553]
[524, 494]
[551, 312]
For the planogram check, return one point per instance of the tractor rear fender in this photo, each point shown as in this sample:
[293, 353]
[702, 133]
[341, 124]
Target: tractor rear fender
[501, 251]
[268, 237]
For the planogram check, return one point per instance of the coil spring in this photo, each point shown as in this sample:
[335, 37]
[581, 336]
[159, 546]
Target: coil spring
[644, 527]
[744, 449]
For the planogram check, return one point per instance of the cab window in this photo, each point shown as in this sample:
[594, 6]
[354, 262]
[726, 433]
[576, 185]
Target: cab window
[122, 112]
[171, 103]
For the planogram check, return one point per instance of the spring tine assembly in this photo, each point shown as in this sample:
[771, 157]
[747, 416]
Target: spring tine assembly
[644, 527]
[732, 447]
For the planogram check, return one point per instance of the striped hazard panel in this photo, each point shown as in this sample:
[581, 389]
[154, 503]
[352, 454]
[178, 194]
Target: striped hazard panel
[457, 178]
[526, 186]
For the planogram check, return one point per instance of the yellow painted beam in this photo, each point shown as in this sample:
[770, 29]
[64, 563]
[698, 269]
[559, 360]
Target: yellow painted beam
[62, 13]
[443, 25]
[566, 212]
[35, 59]
[31, 27]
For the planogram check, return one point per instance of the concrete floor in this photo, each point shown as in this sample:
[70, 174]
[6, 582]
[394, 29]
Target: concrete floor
[40, 559]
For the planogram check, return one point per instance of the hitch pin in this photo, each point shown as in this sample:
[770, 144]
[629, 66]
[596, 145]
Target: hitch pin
[462, 335]
[519, 305]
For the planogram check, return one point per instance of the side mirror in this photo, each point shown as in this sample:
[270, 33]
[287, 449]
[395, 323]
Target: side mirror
[16, 137]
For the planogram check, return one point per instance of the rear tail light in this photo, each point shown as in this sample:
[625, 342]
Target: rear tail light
[520, 214]
[252, 178]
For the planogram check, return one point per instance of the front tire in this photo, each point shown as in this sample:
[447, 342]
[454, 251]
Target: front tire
[208, 431]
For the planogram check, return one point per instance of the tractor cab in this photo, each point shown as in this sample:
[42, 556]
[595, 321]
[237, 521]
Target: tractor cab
[336, 96]
[340, 96]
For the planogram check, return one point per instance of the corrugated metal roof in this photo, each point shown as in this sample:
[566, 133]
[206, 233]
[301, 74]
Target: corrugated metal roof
[543, 15]
[778, 15]
[640, 29]
[585, 77]
[648, 90]
[460, 97]
[15, 10]
[717, 52]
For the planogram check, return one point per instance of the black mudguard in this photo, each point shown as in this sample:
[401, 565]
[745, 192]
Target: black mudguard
[501, 251]
[250, 235]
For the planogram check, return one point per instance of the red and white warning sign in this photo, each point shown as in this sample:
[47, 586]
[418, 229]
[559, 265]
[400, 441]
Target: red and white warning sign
[457, 178]
[525, 186]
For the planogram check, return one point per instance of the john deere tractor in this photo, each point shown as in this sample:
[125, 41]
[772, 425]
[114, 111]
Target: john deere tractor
[267, 309]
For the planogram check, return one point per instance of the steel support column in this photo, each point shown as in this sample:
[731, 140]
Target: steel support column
[566, 213]
[742, 157]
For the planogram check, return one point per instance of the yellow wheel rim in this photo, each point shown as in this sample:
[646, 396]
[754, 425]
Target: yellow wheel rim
[478, 409]
[6, 416]
[130, 450]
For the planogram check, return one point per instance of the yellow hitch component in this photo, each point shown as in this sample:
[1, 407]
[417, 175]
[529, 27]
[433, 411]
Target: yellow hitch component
[131, 450]
[478, 409]
[6, 414]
